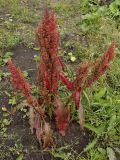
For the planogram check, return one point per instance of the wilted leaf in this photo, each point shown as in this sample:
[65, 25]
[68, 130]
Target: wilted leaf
[4, 109]
[12, 101]
[31, 118]
[48, 135]
[62, 116]
[14, 110]
[39, 134]
[81, 116]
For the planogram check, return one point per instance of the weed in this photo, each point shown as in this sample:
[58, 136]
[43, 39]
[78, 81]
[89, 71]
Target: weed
[50, 72]
[75, 21]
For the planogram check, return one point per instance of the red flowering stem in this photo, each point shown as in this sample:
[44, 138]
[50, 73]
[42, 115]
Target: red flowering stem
[47, 81]
[60, 62]
[48, 37]
[19, 82]
[88, 73]
[100, 66]
[66, 81]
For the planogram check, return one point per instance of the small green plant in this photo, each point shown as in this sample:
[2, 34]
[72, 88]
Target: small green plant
[17, 150]
[5, 58]
[4, 122]
[47, 103]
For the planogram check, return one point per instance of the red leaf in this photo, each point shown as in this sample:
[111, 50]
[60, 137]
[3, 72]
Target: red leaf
[62, 116]
[77, 99]
[66, 81]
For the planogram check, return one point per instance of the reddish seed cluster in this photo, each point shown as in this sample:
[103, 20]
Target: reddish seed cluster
[100, 66]
[81, 74]
[50, 64]
[88, 73]
[19, 82]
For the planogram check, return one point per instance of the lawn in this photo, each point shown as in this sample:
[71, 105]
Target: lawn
[86, 30]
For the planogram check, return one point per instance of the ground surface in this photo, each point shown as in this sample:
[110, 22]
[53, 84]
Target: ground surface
[86, 29]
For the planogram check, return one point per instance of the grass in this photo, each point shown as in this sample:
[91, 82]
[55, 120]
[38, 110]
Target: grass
[86, 29]
[18, 22]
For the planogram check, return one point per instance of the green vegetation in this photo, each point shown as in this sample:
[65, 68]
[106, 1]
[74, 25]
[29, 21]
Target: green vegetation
[86, 28]
[18, 19]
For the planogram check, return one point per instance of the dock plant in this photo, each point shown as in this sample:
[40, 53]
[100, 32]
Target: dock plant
[50, 72]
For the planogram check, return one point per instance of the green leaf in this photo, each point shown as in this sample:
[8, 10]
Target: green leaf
[12, 101]
[61, 155]
[70, 54]
[20, 157]
[25, 73]
[5, 60]
[100, 94]
[73, 59]
[6, 122]
[6, 74]
[112, 122]
[102, 150]
[36, 48]
[92, 128]
[84, 27]
[113, 7]
[117, 150]
[8, 54]
[90, 145]
[36, 58]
